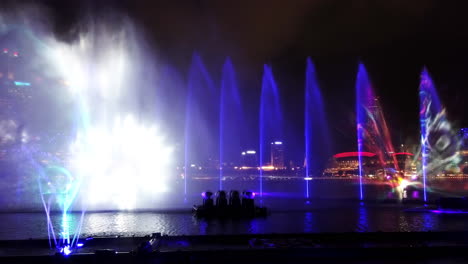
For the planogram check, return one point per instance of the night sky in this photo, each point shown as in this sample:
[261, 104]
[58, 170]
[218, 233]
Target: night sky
[394, 39]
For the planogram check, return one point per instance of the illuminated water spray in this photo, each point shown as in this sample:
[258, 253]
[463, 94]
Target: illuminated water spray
[200, 111]
[59, 188]
[362, 83]
[117, 148]
[373, 134]
[230, 118]
[316, 132]
[440, 144]
[270, 119]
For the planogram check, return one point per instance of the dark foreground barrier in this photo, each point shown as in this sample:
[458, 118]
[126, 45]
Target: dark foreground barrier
[447, 247]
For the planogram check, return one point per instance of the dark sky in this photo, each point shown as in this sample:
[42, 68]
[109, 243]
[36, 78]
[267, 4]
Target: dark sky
[394, 39]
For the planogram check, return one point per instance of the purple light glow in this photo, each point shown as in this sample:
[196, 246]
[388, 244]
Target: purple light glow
[317, 144]
[448, 212]
[270, 119]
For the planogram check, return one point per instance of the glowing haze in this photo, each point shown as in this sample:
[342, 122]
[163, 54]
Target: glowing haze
[111, 142]
[118, 150]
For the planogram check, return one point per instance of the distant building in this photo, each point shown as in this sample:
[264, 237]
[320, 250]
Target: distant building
[347, 164]
[249, 159]
[277, 155]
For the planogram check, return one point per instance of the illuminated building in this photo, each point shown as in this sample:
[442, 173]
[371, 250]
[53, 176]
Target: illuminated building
[277, 155]
[249, 159]
[347, 164]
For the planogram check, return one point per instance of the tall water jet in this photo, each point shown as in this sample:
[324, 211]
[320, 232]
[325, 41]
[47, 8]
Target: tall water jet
[230, 116]
[200, 113]
[373, 133]
[362, 84]
[270, 121]
[440, 144]
[316, 131]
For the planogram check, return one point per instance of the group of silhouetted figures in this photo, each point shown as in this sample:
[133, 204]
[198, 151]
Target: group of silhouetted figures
[234, 204]
[234, 201]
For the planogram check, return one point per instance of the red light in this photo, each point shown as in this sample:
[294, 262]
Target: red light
[403, 153]
[5, 50]
[15, 54]
[354, 154]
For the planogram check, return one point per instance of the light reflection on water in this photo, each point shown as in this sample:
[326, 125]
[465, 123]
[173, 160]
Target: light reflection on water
[362, 225]
[358, 218]
[308, 224]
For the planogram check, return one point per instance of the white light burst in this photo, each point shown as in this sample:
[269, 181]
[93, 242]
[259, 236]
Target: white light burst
[124, 165]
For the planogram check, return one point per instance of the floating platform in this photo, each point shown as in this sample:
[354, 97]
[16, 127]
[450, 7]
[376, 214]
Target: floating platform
[228, 212]
[236, 206]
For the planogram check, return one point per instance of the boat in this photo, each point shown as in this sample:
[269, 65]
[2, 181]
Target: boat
[234, 206]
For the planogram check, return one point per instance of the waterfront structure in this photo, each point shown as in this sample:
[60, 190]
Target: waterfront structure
[277, 155]
[347, 164]
[249, 159]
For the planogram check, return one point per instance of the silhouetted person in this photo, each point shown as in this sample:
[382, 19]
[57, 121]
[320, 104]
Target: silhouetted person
[234, 199]
[221, 199]
[207, 200]
[248, 200]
